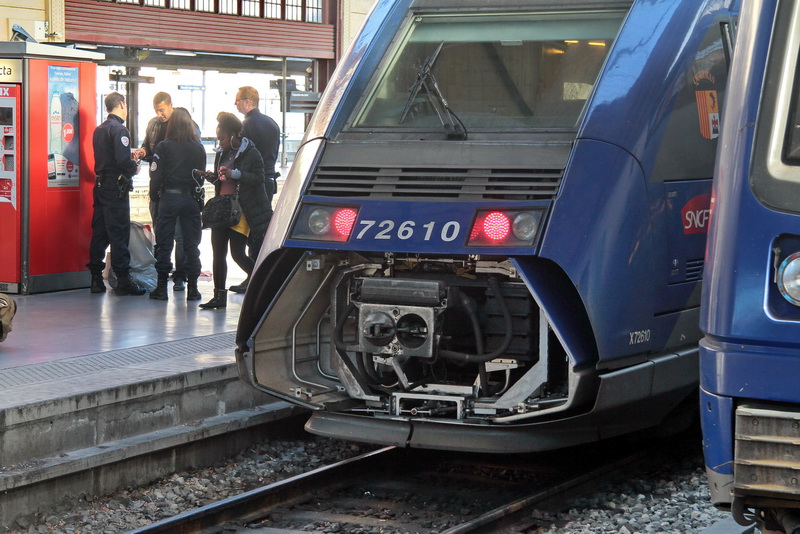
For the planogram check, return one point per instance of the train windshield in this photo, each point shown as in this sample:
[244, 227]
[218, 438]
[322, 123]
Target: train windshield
[490, 72]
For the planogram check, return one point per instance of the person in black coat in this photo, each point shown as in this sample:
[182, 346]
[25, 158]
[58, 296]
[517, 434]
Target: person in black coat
[237, 167]
[175, 188]
[114, 168]
[265, 133]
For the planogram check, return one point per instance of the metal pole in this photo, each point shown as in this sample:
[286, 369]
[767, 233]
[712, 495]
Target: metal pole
[284, 159]
[133, 106]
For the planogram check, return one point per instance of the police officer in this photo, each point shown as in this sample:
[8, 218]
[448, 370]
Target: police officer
[111, 223]
[175, 187]
[155, 133]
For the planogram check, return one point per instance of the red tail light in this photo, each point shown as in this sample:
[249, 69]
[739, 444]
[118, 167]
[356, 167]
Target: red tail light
[343, 221]
[496, 226]
[504, 228]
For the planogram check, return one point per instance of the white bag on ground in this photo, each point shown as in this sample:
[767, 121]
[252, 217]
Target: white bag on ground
[143, 262]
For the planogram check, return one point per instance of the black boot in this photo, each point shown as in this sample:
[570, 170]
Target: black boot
[220, 300]
[98, 286]
[160, 292]
[126, 286]
[241, 288]
[192, 293]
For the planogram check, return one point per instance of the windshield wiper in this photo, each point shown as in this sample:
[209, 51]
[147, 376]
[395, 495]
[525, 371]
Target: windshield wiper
[426, 80]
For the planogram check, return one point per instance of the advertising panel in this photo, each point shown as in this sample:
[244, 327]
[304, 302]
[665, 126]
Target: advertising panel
[63, 156]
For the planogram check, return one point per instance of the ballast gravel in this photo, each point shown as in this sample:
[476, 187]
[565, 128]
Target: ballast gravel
[672, 500]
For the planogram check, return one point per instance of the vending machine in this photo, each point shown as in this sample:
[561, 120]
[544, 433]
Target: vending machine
[47, 117]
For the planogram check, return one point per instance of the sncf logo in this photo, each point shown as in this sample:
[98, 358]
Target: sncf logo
[695, 214]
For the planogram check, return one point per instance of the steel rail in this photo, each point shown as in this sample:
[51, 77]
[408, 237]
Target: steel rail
[250, 505]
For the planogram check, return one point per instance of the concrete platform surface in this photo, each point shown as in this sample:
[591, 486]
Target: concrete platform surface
[99, 391]
[65, 324]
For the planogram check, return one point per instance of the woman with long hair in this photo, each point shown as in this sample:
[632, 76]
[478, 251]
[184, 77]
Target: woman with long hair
[174, 187]
[237, 167]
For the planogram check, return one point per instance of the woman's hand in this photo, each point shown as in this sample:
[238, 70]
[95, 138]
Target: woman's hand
[224, 173]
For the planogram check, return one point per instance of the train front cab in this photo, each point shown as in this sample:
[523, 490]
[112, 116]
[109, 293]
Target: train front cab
[750, 355]
[492, 236]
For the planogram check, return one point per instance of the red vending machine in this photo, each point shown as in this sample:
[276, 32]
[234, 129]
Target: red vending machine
[47, 117]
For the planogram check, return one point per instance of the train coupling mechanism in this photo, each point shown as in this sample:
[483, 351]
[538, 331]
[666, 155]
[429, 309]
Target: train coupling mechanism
[398, 318]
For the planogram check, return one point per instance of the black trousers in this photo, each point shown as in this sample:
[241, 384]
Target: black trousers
[111, 225]
[220, 240]
[172, 208]
[180, 272]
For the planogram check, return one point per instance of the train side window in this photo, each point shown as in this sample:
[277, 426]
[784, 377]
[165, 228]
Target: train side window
[775, 171]
[694, 122]
[792, 148]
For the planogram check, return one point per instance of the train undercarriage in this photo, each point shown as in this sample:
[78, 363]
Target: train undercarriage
[386, 346]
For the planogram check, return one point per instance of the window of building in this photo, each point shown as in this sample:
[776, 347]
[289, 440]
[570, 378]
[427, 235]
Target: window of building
[294, 9]
[180, 4]
[228, 7]
[204, 5]
[274, 9]
[251, 8]
[313, 10]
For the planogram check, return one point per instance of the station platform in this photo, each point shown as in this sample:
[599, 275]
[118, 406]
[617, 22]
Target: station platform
[99, 391]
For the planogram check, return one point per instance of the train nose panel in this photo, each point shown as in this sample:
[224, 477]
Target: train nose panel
[378, 431]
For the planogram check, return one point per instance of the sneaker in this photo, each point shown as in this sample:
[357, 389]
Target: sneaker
[178, 285]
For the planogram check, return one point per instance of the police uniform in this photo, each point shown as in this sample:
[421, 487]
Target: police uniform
[111, 222]
[156, 132]
[175, 188]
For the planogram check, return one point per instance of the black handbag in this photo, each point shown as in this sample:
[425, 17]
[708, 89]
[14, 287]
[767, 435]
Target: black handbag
[222, 211]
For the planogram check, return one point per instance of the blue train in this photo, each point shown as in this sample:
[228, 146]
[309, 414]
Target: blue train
[750, 354]
[493, 233]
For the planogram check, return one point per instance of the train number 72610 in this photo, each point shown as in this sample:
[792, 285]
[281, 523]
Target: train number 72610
[389, 229]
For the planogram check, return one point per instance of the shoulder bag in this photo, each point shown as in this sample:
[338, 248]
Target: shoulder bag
[222, 211]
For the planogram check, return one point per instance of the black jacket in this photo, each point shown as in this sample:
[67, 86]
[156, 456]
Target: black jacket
[252, 195]
[173, 163]
[266, 135]
[112, 149]
[155, 132]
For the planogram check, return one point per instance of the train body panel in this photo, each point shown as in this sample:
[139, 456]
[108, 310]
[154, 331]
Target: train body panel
[493, 230]
[750, 355]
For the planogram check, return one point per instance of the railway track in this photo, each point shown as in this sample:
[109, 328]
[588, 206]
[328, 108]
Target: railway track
[400, 490]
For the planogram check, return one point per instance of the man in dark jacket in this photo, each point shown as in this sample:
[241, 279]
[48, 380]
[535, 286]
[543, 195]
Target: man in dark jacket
[114, 168]
[266, 136]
